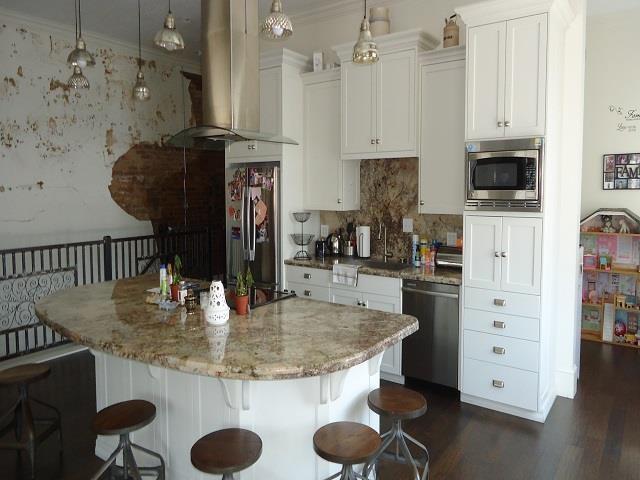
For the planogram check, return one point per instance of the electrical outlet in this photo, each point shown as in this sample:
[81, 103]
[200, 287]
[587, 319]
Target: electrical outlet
[452, 238]
[324, 231]
[407, 225]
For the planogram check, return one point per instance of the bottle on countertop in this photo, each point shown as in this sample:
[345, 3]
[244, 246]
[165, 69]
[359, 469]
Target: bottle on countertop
[424, 251]
[415, 250]
[164, 285]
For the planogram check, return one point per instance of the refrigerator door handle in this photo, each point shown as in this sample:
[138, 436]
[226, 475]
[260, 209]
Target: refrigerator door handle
[243, 225]
[252, 231]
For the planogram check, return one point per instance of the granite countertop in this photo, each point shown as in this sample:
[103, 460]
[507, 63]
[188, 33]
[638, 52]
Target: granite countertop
[448, 276]
[293, 338]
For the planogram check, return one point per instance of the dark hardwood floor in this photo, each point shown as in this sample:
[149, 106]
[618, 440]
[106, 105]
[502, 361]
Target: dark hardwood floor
[595, 436]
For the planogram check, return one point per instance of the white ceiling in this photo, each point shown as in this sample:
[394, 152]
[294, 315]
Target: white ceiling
[118, 18]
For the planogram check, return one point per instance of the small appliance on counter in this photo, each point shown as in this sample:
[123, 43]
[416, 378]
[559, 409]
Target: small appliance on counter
[333, 244]
[363, 241]
[449, 257]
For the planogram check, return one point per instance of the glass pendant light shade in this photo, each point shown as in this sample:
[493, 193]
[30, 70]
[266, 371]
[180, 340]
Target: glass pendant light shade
[141, 91]
[277, 25]
[80, 56]
[168, 37]
[365, 51]
[77, 80]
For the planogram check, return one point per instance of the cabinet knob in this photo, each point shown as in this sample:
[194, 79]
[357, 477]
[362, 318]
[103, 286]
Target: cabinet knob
[339, 200]
[498, 383]
[307, 293]
[307, 276]
[507, 124]
[498, 324]
[497, 350]
[504, 254]
[422, 203]
[499, 302]
[496, 254]
[377, 141]
[373, 142]
[500, 124]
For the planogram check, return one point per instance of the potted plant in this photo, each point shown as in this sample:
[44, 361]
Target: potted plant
[244, 282]
[176, 278]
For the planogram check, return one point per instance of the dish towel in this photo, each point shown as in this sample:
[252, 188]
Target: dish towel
[345, 275]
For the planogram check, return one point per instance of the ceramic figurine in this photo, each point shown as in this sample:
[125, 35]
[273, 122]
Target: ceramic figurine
[624, 227]
[218, 310]
[607, 224]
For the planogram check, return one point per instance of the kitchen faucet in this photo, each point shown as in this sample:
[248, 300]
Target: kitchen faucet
[385, 253]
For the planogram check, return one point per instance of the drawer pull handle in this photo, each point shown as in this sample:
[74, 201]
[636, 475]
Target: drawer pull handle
[307, 293]
[498, 324]
[499, 350]
[307, 276]
[498, 383]
[499, 302]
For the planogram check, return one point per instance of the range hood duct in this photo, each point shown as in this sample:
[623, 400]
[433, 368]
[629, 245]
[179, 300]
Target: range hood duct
[230, 78]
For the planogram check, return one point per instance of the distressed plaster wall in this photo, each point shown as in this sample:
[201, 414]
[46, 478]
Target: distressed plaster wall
[58, 147]
[388, 193]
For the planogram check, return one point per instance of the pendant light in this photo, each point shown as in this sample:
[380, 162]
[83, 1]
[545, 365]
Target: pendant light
[141, 91]
[365, 51]
[277, 25]
[77, 80]
[80, 56]
[168, 37]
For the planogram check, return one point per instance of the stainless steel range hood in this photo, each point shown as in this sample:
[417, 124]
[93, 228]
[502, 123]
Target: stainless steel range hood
[230, 78]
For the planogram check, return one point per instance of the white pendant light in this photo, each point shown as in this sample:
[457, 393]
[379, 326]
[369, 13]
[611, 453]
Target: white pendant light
[79, 55]
[277, 25]
[168, 37]
[141, 91]
[77, 80]
[365, 51]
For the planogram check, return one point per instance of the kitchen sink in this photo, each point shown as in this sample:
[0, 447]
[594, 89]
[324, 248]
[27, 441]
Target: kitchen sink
[395, 266]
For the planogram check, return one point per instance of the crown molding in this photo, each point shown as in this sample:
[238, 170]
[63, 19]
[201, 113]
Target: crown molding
[414, 38]
[443, 55]
[330, 10]
[277, 57]
[322, 76]
[92, 38]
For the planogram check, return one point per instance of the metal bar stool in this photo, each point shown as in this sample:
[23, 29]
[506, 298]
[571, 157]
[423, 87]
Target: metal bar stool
[347, 444]
[226, 452]
[122, 419]
[397, 404]
[27, 436]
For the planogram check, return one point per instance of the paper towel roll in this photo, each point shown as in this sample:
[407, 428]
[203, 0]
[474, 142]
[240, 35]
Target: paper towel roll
[363, 237]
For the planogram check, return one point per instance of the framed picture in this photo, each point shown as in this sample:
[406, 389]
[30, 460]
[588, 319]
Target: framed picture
[621, 171]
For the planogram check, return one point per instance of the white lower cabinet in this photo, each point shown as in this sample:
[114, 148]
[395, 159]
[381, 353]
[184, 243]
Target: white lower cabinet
[373, 292]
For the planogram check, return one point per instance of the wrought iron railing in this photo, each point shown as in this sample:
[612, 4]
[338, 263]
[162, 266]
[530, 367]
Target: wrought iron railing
[28, 274]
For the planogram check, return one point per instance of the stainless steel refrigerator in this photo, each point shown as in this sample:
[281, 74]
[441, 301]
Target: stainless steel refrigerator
[253, 222]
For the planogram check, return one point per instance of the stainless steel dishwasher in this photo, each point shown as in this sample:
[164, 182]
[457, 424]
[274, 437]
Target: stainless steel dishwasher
[431, 353]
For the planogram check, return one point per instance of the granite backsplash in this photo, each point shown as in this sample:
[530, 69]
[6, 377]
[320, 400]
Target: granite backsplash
[389, 193]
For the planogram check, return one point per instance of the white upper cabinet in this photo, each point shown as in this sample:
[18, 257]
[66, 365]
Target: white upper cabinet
[379, 101]
[396, 104]
[526, 79]
[506, 78]
[442, 81]
[330, 183]
[485, 81]
[521, 253]
[503, 253]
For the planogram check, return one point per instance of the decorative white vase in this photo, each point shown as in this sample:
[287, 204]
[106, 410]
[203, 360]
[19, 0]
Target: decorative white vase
[218, 311]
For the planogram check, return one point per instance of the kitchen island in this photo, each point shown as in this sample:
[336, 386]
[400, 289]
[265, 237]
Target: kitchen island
[283, 371]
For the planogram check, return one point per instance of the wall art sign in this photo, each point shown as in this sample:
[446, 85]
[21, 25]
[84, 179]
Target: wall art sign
[621, 171]
[627, 118]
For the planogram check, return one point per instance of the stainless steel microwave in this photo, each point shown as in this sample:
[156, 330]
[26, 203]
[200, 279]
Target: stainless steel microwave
[505, 175]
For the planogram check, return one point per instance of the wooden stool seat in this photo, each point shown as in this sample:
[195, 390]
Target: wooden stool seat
[346, 443]
[24, 374]
[124, 417]
[226, 451]
[397, 402]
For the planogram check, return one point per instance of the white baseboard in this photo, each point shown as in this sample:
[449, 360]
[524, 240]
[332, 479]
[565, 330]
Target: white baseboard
[538, 416]
[392, 377]
[43, 355]
[566, 382]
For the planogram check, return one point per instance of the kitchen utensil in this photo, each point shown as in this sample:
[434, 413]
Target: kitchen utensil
[363, 239]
